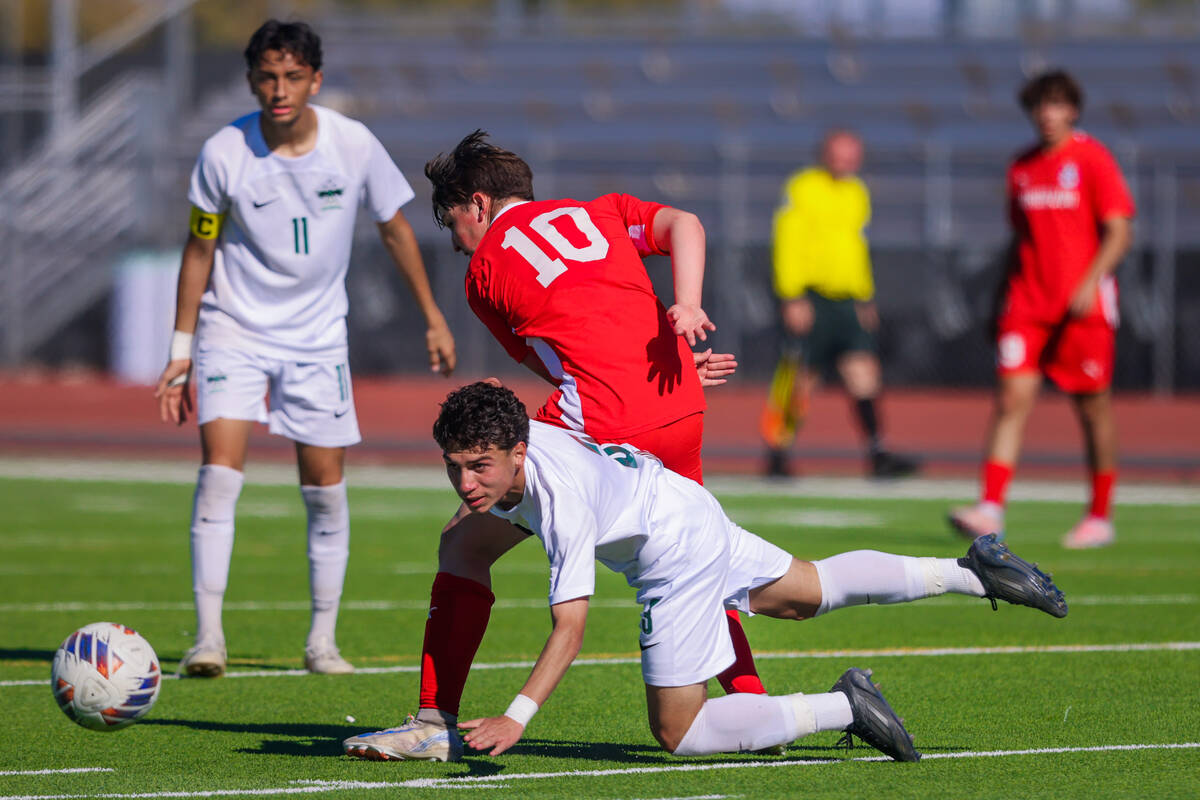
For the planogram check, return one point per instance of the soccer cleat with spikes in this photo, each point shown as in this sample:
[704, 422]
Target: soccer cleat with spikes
[415, 740]
[322, 657]
[1007, 577]
[204, 660]
[874, 720]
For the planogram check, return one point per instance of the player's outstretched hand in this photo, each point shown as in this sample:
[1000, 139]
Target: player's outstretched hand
[174, 392]
[498, 733]
[690, 322]
[714, 368]
[440, 344]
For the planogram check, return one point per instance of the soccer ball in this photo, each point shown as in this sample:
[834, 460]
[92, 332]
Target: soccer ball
[105, 676]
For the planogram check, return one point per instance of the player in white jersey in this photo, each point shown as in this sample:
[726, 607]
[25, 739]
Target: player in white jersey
[261, 311]
[589, 501]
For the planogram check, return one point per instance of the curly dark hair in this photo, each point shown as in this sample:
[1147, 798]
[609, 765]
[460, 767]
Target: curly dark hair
[297, 38]
[479, 415]
[476, 165]
[1056, 84]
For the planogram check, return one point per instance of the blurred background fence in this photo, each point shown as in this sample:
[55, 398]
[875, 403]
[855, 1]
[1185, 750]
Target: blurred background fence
[701, 104]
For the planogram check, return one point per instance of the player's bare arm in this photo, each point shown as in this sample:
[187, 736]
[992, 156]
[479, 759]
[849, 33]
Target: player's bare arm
[500, 733]
[1114, 242]
[401, 243]
[174, 396]
[681, 234]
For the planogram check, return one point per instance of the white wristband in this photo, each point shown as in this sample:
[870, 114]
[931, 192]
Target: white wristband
[181, 346]
[521, 709]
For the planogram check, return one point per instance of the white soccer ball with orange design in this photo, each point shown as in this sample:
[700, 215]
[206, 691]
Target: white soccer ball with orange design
[105, 676]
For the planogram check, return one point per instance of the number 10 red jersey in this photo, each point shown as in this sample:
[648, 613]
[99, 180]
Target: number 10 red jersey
[565, 280]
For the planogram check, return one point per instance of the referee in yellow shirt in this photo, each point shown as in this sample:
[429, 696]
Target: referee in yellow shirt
[826, 294]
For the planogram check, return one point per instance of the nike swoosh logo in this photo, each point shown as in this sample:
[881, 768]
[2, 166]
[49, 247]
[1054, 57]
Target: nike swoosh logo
[326, 533]
[266, 203]
[647, 646]
[340, 414]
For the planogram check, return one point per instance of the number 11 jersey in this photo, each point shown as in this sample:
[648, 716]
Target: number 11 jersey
[565, 280]
[278, 285]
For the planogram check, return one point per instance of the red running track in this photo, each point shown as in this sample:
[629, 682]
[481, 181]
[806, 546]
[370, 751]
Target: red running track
[91, 415]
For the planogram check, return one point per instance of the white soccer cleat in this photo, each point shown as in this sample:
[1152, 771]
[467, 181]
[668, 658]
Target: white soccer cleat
[1090, 532]
[323, 658]
[415, 740]
[977, 520]
[204, 660]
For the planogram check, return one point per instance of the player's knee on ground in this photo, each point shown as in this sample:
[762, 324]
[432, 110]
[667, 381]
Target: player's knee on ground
[669, 735]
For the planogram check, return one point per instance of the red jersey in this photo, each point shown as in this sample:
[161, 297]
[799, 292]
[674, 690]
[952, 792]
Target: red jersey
[565, 280]
[1058, 202]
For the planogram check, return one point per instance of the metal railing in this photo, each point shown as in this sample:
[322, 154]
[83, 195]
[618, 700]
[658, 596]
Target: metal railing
[68, 209]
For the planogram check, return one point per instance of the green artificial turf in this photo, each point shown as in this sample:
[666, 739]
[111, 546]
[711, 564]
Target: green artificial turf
[73, 553]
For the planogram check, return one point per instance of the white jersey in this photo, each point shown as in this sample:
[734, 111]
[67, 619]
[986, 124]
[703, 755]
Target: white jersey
[620, 506]
[278, 281]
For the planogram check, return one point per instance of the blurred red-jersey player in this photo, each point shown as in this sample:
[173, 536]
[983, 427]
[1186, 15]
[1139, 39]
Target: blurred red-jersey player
[562, 286]
[1070, 210]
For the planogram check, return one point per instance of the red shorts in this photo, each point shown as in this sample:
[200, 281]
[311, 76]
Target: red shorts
[677, 445]
[1077, 353]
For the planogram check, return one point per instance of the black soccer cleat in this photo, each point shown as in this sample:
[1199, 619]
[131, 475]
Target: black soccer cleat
[1007, 577]
[885, 464]
[874, 720]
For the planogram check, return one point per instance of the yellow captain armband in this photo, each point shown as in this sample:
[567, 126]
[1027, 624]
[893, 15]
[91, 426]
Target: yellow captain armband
[204, 225]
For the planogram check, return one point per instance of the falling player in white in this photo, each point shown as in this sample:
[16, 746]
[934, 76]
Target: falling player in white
[588, 501]
[262, 291]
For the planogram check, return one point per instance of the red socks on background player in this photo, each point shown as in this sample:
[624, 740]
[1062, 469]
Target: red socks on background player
[459, 609]
[996, 477]
[1102, 491]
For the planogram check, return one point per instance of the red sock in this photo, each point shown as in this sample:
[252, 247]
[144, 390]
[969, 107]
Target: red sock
[741, 676]
[458, 615]
[1102, 489]
[996, 476]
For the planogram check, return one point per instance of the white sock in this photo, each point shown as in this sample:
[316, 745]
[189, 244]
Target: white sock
[328, 552]
[868, 576]
[217, 490]
[831, 710]
[747, 722]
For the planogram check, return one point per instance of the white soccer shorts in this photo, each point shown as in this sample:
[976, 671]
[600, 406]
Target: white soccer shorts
[684, 632]
[308, 402]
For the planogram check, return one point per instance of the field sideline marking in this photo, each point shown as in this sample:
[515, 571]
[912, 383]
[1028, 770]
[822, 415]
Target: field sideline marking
[512, 603]
[407, 477]
[926, 652]
[483, 781]
[55, 771]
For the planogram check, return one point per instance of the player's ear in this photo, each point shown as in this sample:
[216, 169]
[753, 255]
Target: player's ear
[483, 203]
[518, 452]
[315, 86]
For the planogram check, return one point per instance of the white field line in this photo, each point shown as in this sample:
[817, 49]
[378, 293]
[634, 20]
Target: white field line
[395, 477]
[514, 603]
[67, 770]
[919, 652]
[484, 781]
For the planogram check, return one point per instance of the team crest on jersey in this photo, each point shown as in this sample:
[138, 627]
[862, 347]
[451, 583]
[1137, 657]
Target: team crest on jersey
[1068, 176]
[330, 195]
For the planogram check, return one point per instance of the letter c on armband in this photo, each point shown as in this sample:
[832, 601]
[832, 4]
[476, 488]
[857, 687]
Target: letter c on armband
[204, 225]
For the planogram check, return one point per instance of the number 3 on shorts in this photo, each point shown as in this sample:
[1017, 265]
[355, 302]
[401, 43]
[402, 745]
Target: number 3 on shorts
[647, 622]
